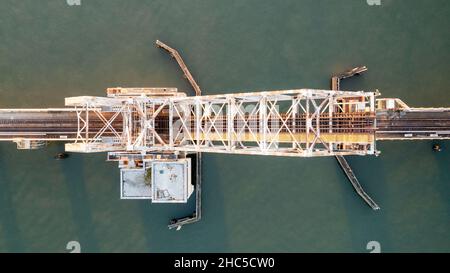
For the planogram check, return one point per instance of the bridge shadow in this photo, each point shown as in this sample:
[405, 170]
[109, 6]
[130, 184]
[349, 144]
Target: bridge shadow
[8, 216]
[72, 169]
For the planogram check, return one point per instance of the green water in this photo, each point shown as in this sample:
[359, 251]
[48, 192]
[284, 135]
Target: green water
[49, 51]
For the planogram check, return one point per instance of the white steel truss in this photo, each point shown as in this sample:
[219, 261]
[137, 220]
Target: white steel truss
[95, 117]
[287, 123]
[303, 122]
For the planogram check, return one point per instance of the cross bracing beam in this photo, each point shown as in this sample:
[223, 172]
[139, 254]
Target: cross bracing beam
[264, 122]
[303, 122]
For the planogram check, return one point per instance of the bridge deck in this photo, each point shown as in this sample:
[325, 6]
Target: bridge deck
[420, 123]
[390, 125]
[52, 125]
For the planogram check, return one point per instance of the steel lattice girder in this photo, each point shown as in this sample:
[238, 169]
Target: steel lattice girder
[225, 124]
[286, 123]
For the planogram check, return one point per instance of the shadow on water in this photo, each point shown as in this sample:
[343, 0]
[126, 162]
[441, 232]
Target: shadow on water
[207, 235]
[8, 216]
[73, 172]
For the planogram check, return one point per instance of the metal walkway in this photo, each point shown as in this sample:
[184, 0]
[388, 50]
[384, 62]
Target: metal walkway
[355, 183]
[174, 53]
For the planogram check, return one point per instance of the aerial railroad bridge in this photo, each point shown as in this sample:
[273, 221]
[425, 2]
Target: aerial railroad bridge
[142, 127]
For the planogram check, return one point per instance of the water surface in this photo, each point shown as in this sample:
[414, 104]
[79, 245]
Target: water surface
[49, 51]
